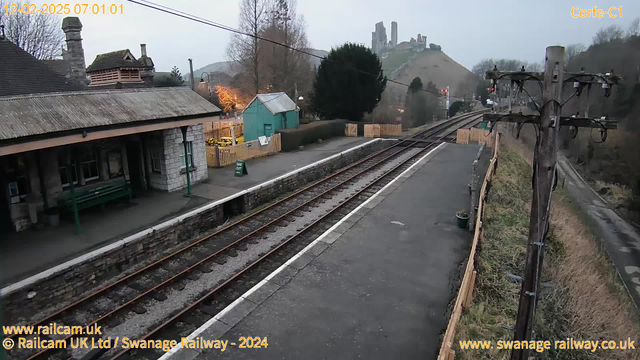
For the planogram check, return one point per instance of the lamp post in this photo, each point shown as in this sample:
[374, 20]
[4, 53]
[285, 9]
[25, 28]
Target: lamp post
[208, 83]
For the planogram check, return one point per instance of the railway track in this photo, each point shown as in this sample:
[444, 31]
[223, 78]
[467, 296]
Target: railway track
[171, 297]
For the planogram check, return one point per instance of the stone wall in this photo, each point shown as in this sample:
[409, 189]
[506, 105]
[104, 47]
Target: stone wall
[67, 285]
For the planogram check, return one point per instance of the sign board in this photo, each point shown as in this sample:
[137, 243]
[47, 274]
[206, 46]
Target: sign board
[241, 168]
[263, 140]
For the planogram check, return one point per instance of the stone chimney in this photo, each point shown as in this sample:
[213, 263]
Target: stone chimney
[72, 28]
[149, 69]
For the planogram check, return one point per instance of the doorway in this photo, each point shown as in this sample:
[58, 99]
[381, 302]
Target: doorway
[136, 174]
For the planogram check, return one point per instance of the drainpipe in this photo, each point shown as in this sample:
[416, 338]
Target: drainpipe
[72, 191]
[186, 157]
[43, 189]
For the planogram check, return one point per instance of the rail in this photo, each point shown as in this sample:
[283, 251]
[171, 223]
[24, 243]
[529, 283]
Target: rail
[402, 144]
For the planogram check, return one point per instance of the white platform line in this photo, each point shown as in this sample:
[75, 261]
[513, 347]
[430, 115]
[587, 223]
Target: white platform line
[176, 220]
[244, 296]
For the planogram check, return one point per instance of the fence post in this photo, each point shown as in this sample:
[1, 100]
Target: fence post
[217, 150]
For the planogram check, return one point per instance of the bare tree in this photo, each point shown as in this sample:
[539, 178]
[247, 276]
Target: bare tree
[571, 51]
[634, 27]
[245, 50]
[39, 35]
[608, 34]
[286, 68]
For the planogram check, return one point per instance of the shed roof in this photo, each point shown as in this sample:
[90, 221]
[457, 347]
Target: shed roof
[277, 102]
[30, 115]
[114, 60]
[21, 73]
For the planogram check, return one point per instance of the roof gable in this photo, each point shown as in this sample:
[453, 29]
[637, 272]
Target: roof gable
[114, 60]
[21, 73]
[276, 103]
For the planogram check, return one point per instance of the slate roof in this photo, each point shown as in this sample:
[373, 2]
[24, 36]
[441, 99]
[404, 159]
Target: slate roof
[30, 115]
[62, 67]
[114, 60]
[277, 102]
[21, 73]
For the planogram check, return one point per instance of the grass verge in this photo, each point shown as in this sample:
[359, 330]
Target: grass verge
[581, 297]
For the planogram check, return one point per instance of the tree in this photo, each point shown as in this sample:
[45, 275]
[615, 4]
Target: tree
[433, 46]
[285, 68]
[39, 35]
[571, 51]
[174, 78]
[245, 50]
[634, 28]
[455, 107]
[415, 105]
[349, 83]
[608, 34]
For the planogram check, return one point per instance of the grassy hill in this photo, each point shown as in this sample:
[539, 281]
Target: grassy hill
[429, 65]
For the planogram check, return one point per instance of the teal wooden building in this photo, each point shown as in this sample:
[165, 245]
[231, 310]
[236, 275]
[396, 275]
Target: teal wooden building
[267, 113]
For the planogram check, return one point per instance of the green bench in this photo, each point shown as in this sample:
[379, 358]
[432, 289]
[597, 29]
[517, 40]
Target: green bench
[96, 196]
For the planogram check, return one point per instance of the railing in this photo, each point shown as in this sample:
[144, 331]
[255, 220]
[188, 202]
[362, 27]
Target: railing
[223, 156]
[465, 294]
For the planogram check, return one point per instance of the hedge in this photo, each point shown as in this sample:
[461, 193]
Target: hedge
[310, 133]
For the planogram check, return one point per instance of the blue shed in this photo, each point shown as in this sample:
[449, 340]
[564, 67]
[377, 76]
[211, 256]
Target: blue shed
[267, 113]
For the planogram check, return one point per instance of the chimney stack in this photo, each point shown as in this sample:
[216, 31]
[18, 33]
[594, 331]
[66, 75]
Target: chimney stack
[149, 70]
[75, 53]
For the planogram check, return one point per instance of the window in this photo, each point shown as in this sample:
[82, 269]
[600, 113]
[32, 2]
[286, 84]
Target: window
[17, 179]
[114, 161]
[62, 170]
[89, 165]
[189, 155]
[156, 158]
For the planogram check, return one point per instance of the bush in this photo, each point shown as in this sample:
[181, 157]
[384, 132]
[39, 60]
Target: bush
[310, 133]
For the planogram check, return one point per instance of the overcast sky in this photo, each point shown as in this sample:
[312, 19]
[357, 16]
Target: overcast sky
[467, 30]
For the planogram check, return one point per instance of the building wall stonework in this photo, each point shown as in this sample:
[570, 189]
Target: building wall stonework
[174, 171]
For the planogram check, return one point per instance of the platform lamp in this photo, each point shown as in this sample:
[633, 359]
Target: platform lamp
[208, 83]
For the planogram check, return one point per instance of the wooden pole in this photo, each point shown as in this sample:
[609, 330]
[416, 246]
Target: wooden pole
[543, 180]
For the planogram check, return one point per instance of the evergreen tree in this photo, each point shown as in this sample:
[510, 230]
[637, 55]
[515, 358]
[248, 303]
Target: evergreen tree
[349, 83]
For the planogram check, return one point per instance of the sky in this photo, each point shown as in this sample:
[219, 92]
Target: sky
[467, 30]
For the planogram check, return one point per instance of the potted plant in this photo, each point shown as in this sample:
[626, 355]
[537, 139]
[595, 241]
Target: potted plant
[463, 219]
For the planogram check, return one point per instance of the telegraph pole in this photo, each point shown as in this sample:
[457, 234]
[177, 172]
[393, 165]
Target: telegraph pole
[191, 74]
[544, 164]
[543, 180]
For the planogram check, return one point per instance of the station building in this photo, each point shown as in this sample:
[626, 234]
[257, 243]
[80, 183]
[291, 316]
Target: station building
[61, 141]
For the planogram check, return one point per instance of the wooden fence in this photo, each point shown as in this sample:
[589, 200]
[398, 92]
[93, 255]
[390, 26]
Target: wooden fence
[220, 129]
[481, 136]
[378, 130]
[223, 156]
[465, 294]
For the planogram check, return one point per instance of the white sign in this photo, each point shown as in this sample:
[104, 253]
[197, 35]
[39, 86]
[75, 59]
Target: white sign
[263, 140]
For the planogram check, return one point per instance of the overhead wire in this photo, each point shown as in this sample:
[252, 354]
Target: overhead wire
[191, 17]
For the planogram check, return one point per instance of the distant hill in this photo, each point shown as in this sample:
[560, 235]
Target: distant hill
[429, 65]
[227, 67]
[314, 60]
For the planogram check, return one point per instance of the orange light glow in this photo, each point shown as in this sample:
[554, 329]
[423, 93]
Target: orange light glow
[230, 98]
